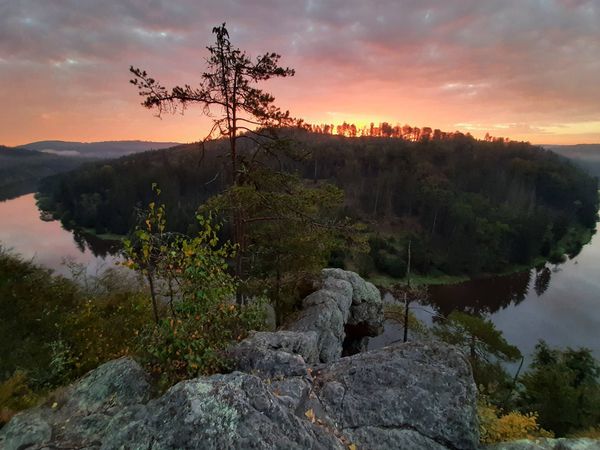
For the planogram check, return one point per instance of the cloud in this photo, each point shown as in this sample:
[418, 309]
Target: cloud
[528, 62]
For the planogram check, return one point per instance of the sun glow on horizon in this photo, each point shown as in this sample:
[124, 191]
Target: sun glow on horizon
[418, 64]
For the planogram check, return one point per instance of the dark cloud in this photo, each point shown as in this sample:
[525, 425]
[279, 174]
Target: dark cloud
[529, 62]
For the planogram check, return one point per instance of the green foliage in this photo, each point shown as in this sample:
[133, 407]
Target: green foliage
[469, 206]
[56, 329]
[477, 336]
[33, 305]
[15, 395]
[563, 387]
[203, 320]
[291, 230]
[194, 341]
[486, 348]
[395, 313]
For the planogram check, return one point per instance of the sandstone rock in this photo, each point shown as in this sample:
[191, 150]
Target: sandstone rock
[325, 313]
[118, 383]
[344, 302]
[25, 430]
[293, 392]
[303, 344]
[267, 363]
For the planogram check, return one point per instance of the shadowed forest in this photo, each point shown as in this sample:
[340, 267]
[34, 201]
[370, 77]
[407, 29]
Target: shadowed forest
[468, 206]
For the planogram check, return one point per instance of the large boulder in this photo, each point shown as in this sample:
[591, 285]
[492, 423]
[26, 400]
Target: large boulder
[366, 310]
[343, 303]
[276, 354]
[83, 411]
[291, 389]
[409, 396]
[233, 411]
[413, 396]
[108, 410]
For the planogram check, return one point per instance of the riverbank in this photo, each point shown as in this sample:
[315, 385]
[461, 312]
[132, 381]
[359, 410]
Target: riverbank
[567, 248]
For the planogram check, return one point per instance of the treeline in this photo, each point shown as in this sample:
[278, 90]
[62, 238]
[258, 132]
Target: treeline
[467, 206]
[386, 129]
[21, 170]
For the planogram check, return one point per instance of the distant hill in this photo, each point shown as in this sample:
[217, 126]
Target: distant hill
[98, 150]
[466, 206]
[586, 156]
[21, 169]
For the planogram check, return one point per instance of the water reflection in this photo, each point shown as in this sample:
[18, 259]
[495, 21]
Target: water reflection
[542, 280]
[48, 243]
[481, 296]
[557, 303]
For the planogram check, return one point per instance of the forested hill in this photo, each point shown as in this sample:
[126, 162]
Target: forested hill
[20, 170]
[467, 206]
[98, 150]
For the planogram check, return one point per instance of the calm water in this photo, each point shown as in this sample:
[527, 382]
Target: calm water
[560, 304]
[48, 243]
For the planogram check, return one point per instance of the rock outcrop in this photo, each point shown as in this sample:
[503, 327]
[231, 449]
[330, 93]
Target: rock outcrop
[406, 396]
[291, 389]
[343, 302]
[81, 414]
[400, 395]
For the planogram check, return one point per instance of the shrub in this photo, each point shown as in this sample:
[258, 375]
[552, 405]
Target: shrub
[193, 342]
[494, 426]
[563, 386]
[15, 395]
[203, 319]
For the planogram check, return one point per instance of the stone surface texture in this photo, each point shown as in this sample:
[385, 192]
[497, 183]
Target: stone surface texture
[291, 389]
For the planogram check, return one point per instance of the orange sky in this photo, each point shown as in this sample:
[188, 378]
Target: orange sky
[525, 69]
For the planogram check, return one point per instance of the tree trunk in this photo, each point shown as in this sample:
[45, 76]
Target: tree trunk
[406, 301]
[153, 295]
[171, 295]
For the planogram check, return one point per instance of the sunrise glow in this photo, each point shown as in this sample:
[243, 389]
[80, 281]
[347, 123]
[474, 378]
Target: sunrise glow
[519, 68]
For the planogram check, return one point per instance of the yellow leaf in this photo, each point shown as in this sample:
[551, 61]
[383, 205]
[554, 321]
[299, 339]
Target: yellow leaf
[352, 447]
[310, 414]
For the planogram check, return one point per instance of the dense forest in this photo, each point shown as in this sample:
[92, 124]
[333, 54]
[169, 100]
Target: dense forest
[20, 170]
[467, 206]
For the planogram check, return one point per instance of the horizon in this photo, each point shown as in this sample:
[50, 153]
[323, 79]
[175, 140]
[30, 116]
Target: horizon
[525, 70]
[194, 142]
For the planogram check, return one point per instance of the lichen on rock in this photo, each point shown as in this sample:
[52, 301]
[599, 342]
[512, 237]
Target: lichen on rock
[292, 389]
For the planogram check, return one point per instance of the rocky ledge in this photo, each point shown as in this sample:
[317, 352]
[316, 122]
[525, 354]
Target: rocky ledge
[290, 389]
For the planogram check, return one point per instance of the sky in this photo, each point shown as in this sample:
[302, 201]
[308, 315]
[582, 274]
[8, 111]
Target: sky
[524, 69]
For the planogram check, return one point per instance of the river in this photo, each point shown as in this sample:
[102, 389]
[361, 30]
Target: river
[559, 303]
[48, 244]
